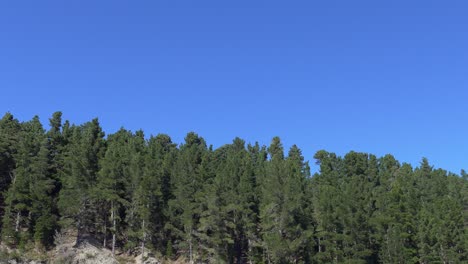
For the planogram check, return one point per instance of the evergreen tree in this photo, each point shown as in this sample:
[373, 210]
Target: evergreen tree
[150, 195]
[300, 226]
[9, 130]
[328, 208]
[356, 190]
[395, 215]
[283, 221]
[16, 221]
[85, 148]
[228, 220]
[183, 207]
[258, 157]
[232, 204]
[43, 207]
[248, 212]
[29, 201]
[159, 173]
[112, 179]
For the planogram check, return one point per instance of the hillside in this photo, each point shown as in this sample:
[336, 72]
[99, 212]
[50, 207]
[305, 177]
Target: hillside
[126, 193]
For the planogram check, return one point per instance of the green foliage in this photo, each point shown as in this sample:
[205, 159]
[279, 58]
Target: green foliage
[29, 201]
[234, 204]
[286, 226]
[82, 154]
[9, 131]
[188, 179]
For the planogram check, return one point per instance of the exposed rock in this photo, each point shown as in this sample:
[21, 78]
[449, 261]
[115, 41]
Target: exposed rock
[84, 253]
[140, 259]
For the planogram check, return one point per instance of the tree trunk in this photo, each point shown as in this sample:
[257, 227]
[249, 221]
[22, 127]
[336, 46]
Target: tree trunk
[17, 221]
[319, 249]
[12, 177]
[113, 227]
[250, 250]
[143, 239]
[190, 247]
[104, 244]
[79, 222]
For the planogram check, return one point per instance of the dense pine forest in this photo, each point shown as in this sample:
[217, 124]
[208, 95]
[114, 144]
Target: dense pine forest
[239, 203]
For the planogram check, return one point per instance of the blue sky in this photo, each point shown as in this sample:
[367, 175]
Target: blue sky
[372, 76]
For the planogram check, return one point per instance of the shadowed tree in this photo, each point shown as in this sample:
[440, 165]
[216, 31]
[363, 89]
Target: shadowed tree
[85, 148]
[9, 131]
[184, 210]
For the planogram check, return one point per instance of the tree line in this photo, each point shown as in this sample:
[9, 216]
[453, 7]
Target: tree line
[239, 203]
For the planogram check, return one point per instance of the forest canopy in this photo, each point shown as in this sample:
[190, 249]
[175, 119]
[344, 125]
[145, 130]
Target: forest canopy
[239, 203]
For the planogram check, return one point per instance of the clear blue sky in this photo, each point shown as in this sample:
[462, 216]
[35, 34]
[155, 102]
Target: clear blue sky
[372, 76]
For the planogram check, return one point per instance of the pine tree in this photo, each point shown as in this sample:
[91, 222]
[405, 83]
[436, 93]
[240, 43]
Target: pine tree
[356, 190]
[257, 155]
[228, 219]
[29, 204]
[81, 164]
[212, 231]
[232, 204]
[280, 206]
[327, 204]
[188, 182]
[9, 130]
[124, 162]
[440, 220]
[56, 144]
[299, 226]
[159, 164]
[113, 178]
[248, 215]
[43, 206]
[145, 214]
